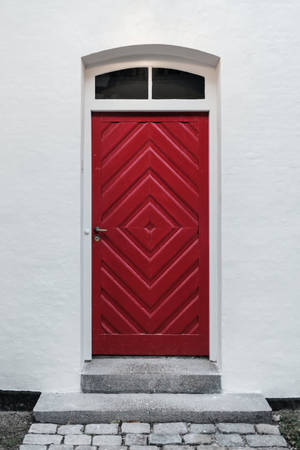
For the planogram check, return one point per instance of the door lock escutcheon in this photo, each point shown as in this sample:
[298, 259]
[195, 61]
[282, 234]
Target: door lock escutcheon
[97, 231]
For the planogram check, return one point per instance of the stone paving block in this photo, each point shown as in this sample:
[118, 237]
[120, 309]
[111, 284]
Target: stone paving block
[265, 428]
[266, 440]
[195, 438]
[61, 447]
[181, 447]
[135, 439]
[107, 439]
[164, 439]
[102, 428]
[212, 447]
[43, 428]
[203, 428]
[144, 447]
[42, 439]
[32, 447]
[262, 448]
[70, 429]
[241, 428]
[229, 440]
[86, 447]
[111, 447]
[170, 428]
[135, 427]
[235, 448]
[77, 439]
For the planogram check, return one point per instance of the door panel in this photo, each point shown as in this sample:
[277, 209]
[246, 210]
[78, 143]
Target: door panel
[150, 277]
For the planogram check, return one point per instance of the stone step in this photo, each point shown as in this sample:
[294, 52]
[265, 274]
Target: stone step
[200, 408]
[149, 374]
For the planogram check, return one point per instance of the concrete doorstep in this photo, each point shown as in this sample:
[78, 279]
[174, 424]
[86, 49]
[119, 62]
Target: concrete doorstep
[86, 408]
[151, 375]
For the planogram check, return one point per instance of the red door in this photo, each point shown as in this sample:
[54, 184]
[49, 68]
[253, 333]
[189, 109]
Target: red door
[150, 277]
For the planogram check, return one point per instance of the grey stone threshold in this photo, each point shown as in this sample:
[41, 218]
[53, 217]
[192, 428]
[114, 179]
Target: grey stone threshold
[151, 375]
[202, 408]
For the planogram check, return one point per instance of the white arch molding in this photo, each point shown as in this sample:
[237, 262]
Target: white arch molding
[174, 57]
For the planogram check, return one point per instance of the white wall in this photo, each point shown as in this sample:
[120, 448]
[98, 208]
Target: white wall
[40, 89]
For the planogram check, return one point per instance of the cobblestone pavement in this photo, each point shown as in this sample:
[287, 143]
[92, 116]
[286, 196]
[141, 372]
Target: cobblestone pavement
[157, 436]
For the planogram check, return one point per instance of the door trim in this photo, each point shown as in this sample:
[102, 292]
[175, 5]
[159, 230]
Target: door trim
[209, 104]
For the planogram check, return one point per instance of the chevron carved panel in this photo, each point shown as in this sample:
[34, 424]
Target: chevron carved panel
[150, 269]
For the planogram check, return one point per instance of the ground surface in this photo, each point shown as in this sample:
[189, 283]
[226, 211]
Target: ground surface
[290, 426]
[15, 425]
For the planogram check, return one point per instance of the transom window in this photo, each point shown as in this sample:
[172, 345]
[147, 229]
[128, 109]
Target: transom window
[149, 83]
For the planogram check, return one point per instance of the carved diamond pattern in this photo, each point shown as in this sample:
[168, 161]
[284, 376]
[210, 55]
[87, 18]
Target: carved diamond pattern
[150, 227]
[146, 269]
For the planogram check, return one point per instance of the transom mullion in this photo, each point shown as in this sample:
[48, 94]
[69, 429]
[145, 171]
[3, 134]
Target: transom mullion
[150, 82]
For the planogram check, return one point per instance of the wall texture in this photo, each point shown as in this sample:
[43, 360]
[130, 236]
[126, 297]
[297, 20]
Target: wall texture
[41, 46]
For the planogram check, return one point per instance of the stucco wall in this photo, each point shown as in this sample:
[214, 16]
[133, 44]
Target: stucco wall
[41, 48]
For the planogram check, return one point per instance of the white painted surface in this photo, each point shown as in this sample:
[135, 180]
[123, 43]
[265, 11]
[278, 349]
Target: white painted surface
[40, 87]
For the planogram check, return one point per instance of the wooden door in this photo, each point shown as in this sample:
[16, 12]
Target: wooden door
[150, 269]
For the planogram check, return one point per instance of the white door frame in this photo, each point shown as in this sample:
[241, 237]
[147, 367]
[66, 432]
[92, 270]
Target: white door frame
[209, 104]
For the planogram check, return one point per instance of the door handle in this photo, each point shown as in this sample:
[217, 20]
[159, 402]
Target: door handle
[100, 230]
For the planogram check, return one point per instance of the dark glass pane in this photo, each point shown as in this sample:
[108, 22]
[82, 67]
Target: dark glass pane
[170, 83]
[127, 83]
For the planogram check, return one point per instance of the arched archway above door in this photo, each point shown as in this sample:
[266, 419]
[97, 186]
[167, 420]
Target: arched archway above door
[151, 51]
